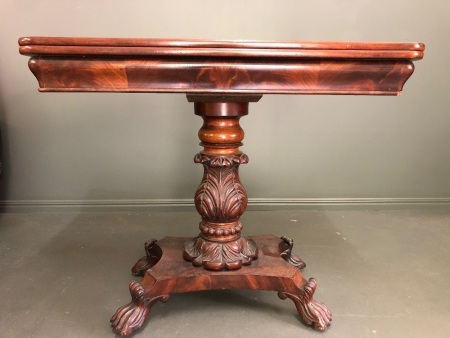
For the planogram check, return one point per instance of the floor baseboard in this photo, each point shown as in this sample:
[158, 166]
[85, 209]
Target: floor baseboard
[254, 204]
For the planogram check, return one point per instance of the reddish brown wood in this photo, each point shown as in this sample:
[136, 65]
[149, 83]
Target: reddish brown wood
[221, 78]
[173, 275]
[194, 47]
[286, 247]
[152, 256]
[221, 198]
[218, 67]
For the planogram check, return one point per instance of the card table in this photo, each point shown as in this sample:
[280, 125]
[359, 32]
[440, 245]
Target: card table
[221, 78]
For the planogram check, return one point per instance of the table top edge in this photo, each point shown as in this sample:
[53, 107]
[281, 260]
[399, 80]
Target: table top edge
[230, 44]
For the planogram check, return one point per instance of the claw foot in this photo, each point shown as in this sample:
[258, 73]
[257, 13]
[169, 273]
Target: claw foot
[312, 312]
[132, 316]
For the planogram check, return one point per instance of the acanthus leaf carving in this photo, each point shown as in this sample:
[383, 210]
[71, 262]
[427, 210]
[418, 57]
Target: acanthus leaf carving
[217, 256]
[221, 196]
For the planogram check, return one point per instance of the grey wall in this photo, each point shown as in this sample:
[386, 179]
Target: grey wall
[66, 147]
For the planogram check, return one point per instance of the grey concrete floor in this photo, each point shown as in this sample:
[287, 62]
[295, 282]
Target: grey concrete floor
[381, 273]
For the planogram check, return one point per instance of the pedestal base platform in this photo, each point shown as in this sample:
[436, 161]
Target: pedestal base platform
[166, 272]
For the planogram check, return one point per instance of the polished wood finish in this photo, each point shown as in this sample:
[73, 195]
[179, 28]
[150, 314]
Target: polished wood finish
[196, 47]
[220, 67]
[221, 198]
[221, 78]
[170, 274]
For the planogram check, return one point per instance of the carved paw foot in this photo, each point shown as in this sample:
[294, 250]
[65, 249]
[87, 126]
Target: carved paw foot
[132, 316]
[312, 312]
[218, 256]
[286, 252]
[153, 255]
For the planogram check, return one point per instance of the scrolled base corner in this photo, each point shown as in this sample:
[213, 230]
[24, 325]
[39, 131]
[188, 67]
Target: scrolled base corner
[152, 256]
[286, 247]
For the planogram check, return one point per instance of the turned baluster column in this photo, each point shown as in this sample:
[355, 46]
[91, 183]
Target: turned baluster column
[221, 198]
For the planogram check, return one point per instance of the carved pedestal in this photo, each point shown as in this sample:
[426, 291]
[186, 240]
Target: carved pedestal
[221, 258]
[221, 198]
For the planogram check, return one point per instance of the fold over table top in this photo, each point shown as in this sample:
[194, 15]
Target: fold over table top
[219, 67]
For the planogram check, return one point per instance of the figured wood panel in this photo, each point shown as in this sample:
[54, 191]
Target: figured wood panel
[211, 76]
[220, 67]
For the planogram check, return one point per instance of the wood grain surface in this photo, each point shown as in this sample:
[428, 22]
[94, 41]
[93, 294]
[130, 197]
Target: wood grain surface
[220, 67]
